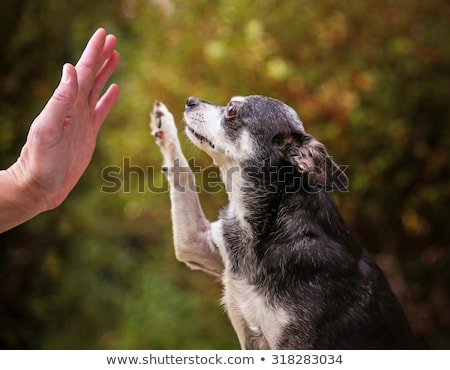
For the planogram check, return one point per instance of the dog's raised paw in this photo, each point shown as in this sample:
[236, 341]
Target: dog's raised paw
[163, 127]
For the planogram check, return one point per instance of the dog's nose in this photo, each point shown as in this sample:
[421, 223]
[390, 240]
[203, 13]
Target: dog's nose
[192, 102]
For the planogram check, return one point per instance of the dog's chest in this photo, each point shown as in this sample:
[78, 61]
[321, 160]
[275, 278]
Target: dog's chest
[247, 306]
[250, 304]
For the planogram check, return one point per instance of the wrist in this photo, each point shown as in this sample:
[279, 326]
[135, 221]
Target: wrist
[27, 188]
[19, 200]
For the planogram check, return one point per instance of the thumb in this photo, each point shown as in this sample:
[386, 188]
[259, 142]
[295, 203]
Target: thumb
[63, 97]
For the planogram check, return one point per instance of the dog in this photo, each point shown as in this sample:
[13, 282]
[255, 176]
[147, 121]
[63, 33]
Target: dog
[293, 276]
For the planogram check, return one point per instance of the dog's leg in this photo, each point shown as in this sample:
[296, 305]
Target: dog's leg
[193, 240]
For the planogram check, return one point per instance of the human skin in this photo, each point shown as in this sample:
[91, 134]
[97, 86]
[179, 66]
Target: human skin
[62, 138]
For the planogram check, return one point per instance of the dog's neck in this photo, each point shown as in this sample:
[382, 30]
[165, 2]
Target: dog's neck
[257, 197]
[248, 195]
[232, 178]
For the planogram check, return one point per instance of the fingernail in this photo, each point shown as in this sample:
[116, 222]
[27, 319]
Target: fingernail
[66, 74]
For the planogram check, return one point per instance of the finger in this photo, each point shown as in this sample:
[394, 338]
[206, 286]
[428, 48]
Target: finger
[103, 76]
[105, 105]
[108, 48]
[62, 99]
[88, 64]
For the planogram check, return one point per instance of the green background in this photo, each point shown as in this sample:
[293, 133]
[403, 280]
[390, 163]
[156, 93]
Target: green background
[370, 79]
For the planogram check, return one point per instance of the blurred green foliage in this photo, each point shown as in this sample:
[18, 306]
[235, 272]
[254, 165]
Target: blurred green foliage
[370, 79]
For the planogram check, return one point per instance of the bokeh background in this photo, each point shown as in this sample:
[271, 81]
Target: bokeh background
[370, 79]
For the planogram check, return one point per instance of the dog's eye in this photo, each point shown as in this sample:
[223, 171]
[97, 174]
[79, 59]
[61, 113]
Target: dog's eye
[231, 111]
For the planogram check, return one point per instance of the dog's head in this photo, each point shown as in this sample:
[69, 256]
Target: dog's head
[260, 129]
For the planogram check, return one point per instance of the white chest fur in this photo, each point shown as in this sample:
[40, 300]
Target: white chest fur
[245, 306]
[248, 309]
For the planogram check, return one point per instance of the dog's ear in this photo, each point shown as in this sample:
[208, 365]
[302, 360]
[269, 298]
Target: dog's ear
[310, 159]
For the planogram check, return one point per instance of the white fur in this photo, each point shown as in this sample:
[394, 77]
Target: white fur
[245, 305]
[217, 238]
[238, 98]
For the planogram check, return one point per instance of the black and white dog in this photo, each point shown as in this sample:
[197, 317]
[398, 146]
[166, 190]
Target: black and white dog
[293, 276]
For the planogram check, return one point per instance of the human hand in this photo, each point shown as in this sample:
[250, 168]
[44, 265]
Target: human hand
[62, 138]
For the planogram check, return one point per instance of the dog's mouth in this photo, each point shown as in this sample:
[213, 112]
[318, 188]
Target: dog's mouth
[202, 139]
